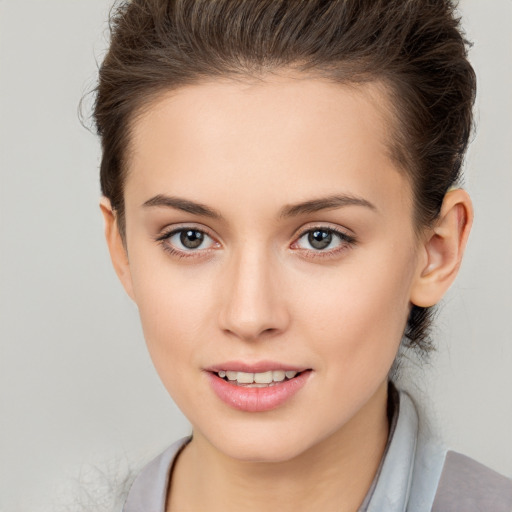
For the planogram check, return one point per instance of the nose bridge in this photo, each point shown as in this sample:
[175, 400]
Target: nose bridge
[253, 304]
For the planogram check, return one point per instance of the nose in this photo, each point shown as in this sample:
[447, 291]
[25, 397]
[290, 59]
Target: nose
[253, 300]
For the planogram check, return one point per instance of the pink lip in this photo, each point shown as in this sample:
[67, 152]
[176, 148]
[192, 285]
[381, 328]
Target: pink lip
[256, 399]
[257, 367]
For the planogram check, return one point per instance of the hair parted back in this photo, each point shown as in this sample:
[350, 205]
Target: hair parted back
[415, 48]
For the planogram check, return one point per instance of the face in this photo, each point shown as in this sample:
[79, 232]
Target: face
[268, 230]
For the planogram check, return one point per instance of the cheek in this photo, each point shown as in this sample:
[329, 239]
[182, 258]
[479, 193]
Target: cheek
[359, 313]
[175, 307]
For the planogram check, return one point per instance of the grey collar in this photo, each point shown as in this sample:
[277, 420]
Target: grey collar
[411, 467]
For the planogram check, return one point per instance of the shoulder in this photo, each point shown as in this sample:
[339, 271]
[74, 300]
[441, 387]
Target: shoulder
[148, 492]
[467, 485]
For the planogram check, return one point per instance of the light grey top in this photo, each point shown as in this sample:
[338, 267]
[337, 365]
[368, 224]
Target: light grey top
[407, 480]
[467, 485]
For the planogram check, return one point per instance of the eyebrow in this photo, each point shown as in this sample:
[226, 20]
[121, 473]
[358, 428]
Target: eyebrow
[325, 203]
[185, 205]
[311, 206]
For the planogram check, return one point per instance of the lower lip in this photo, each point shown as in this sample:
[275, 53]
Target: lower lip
[257, 399]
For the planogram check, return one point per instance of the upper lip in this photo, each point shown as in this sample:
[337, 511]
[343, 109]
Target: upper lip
[255, 367]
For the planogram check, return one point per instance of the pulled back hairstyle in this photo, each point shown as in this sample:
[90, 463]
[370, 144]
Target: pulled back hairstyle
[414, 48]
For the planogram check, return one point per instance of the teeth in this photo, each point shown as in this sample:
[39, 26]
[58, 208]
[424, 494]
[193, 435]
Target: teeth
[245, 378]
[262, 378]
[278, 375]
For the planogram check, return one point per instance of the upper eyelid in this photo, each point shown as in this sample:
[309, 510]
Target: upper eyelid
[172, 230]
[326, 227]
[343, 237]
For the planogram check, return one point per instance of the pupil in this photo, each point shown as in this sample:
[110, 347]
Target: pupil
[320, 239]
[191, 239]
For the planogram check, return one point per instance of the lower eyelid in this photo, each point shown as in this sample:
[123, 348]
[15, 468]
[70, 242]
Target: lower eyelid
[326, 254]
[184, 253]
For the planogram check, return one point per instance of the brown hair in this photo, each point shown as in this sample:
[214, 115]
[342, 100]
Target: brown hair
[414, 47]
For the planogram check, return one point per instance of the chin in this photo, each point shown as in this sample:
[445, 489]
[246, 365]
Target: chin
[264, 445]
[264, 452]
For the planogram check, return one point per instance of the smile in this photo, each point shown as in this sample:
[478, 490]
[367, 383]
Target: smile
[257, 380]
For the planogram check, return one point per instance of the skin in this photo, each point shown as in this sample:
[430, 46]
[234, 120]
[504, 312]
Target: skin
[258, 290]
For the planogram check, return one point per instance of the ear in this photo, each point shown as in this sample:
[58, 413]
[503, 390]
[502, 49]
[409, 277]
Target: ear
[443, 248]
[118, 252]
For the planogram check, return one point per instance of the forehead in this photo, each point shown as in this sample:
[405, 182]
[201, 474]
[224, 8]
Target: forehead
[284, 136]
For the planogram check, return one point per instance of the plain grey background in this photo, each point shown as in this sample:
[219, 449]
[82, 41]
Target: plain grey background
[79, 398]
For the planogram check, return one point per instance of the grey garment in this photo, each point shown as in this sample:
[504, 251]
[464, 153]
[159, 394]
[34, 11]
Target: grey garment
[407, 480]
[148, 492]
[411, 466]
[460, 478]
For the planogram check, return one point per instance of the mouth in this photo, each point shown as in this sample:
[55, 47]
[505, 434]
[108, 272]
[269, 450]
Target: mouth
[257, 379]
[266, 387]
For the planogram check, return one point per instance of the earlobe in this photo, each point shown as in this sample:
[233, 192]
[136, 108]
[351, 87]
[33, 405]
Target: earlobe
[443, 249]
[116, 247]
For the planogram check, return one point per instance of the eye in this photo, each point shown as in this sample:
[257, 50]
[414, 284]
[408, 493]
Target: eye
[186, 240]
[323, 239]
[189, 238]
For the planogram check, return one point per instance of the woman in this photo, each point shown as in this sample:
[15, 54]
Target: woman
[280, 201]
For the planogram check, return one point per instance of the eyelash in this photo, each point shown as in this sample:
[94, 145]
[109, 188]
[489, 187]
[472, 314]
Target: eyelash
[164, 237]
[346, 242]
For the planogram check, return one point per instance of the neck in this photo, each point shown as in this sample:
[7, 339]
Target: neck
[334, 474]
